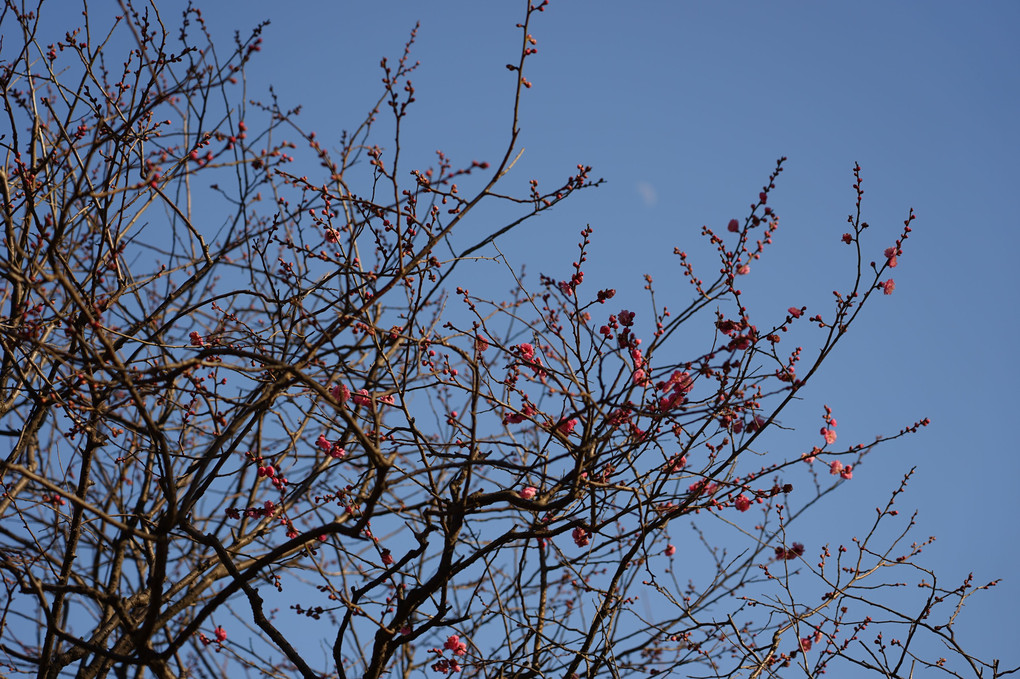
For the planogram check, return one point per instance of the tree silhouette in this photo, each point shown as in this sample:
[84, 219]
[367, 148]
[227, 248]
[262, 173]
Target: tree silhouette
[258, 424]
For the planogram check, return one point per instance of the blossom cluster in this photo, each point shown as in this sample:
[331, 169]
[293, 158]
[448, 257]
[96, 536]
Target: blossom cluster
[786, 554]
[332, 449]
[362, 397]
[450, 665]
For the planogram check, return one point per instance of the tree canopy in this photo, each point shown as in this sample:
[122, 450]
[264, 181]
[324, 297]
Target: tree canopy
[294, 443]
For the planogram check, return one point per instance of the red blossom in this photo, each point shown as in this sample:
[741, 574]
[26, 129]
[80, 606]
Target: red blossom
[516, 418]
[444, 666]
[453, 643]
[890, 256]
[702, 487]
[676, 463]
[727, 326]
[796, 550]
[341, 393]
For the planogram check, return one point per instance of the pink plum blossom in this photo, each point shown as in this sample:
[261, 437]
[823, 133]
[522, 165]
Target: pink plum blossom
[676, 463]
[324, 443]
[516, 418]
[890, 257]
[453, 643]
[340, 392]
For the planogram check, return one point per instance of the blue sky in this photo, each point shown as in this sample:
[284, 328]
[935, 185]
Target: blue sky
[683, 109]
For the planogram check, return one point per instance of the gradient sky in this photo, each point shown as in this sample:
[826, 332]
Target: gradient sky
[683, 108]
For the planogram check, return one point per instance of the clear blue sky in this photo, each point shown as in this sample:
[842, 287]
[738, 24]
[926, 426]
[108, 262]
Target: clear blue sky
[683, 108]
